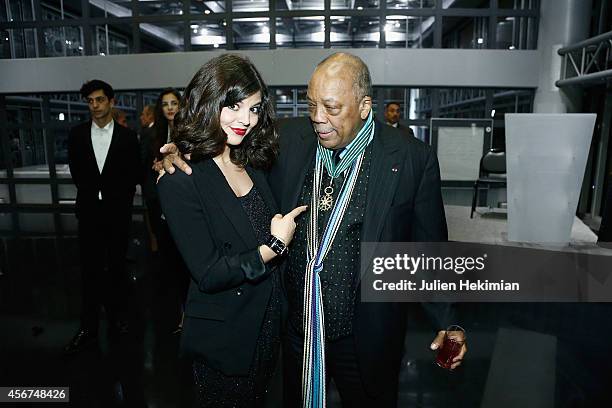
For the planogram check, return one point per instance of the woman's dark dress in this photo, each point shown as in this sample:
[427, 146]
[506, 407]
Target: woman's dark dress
[218, 390]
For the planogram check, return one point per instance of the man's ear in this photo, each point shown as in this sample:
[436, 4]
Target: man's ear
[365, 107]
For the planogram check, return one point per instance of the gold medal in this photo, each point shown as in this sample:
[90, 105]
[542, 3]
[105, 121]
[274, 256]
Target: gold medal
[327, 201]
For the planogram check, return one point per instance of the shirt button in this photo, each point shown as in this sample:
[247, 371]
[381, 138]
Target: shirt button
[239, 291]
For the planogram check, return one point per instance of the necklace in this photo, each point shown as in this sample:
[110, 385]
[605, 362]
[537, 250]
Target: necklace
[327, 201]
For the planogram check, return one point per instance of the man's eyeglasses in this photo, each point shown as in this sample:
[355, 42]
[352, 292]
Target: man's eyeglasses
[97, 99]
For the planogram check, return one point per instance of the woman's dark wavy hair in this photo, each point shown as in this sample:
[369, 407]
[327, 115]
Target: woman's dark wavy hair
[160, 126]
[225, 81]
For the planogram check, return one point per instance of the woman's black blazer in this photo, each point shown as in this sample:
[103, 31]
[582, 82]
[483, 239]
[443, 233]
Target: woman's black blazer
[229, 288]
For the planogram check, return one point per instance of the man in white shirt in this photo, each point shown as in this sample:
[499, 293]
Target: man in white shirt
[104, 161]
[392, 117]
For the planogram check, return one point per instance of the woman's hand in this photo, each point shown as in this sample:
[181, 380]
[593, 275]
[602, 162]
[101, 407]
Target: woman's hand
[283, 228]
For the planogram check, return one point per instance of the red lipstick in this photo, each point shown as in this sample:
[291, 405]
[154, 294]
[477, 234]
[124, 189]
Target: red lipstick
[239, 131]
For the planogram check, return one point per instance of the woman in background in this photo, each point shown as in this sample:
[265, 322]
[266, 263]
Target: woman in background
[173, 279]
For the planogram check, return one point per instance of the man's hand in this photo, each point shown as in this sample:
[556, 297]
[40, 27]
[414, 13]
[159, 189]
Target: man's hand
[157, 166]
[172, 157]
[460, 338]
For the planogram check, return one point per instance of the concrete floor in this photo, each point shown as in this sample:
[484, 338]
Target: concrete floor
[520, 355]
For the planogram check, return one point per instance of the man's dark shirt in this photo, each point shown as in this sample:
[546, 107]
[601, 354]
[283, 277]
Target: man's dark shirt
[340, 267]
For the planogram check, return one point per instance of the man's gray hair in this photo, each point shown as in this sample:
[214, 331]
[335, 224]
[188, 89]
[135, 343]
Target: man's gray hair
[362, 81]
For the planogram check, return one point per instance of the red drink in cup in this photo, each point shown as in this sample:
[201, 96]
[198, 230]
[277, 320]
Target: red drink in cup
[453, 341]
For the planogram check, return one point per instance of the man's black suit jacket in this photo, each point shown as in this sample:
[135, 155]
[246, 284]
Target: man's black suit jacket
[404, 203]
[405, 129]
[121, 172]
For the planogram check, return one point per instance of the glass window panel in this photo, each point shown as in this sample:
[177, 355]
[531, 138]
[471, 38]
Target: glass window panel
[111, 8]
[22, 109]
[512, 101]
[150, 97]
[300, 5]
[4, 192]
[465, 32]
[409, 32]
[353, 5]
[517, 4]
[34, 193]
[63, 41]
[61, 149]
[462, 103]
[465, 4]
[300, 32]
[18, 43]
[69, 223]
[421, 132]
[206, 35]
[68, 107]
[6, 223]
[420, 101]
[3, 163]
[250, 5]
[354, 32]
[162, 37]
[36, 223]
[28, 152]
[66, 192]
[410, 4]
[207, 7]
[302, 95]
[283, 96]
[160, 8]
[251, 33]
[302, 111]
[515, 33]
[17, 10]
[112, 39]
[60, 10]
[285, 112]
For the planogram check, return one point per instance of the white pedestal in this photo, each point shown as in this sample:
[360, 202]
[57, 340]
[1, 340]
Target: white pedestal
[546, 158]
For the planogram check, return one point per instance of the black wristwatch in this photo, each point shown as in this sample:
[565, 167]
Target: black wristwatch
[277, 246]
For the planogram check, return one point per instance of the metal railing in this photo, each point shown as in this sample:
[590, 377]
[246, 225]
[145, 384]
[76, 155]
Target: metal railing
[587, 62]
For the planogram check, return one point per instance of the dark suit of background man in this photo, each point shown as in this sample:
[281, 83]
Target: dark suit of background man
[392, 117]
[104, 159]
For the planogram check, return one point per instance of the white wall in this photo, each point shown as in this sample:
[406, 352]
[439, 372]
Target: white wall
[389, 67]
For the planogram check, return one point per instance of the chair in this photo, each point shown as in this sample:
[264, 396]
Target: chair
[492, 173]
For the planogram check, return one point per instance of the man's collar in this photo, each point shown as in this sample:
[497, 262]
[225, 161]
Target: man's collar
[396, 124]
[108, 126]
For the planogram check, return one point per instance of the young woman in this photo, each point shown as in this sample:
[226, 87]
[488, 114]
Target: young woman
[151, 139]
[172, 280]
[222, 220]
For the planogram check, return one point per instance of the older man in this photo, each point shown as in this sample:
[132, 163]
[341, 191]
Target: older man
[363, 181]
